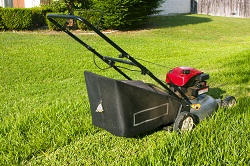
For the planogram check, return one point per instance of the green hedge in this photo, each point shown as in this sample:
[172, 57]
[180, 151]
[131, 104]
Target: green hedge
[22, 19]
[123, 14]
[116, 14]
[56, 7]
[1, 23]
[16, 19]
[39, 16]
[94, 17]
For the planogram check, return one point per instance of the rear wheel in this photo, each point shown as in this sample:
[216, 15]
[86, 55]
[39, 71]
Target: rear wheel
[185, 121]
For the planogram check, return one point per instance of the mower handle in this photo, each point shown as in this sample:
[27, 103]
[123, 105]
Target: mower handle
[51, 16]
[110, 61]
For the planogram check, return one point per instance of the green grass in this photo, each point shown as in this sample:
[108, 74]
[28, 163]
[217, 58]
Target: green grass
[44, 110]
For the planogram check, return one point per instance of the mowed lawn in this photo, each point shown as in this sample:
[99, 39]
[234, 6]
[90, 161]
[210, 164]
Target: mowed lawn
[44, 111]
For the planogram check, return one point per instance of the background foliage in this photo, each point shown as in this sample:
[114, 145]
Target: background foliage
[22, 19]
[123, 14]
[115, 14]
[93, 16]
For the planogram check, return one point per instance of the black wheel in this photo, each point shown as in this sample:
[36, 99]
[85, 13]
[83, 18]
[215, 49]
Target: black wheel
[185, 121]
[168, 128]
[228, 102]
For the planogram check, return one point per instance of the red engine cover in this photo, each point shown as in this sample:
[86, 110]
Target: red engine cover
[181, 75]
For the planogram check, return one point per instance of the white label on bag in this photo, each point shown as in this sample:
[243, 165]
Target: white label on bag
[99, 108]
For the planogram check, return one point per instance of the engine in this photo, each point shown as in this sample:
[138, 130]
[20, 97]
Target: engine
[192, 82]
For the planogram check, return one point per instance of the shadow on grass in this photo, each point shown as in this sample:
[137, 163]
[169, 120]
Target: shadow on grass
[141, 136]
[173, 21]
[216, 93]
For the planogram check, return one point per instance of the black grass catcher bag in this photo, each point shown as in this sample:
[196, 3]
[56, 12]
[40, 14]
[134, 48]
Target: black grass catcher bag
[128, 108]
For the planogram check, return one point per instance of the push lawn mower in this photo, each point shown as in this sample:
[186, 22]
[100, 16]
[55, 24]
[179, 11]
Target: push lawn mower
[131, 107]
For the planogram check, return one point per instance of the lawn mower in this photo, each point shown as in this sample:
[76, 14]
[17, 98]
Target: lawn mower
[131, 108]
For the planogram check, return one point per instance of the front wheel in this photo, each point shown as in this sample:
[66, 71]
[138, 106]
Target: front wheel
[185, 121]
[229, 102]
